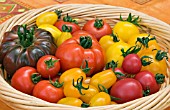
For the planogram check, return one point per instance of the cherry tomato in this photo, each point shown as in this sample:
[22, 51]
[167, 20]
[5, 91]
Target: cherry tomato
[48, 66]
[100, 99]
[24, 79]
[148, 81]
[126, 90]
[132, 64]
[70, 101]
[48, 92]
[98, 28]
[121, 71]
[68, 21]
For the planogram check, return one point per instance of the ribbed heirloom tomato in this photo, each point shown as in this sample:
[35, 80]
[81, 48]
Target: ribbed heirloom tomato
[78, 49]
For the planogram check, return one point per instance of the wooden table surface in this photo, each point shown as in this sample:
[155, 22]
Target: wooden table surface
[156, 8]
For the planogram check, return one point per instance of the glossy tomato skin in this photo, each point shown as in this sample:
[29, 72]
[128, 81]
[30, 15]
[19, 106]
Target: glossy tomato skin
[97, 32]
[21, 79]
[132, 64]
[46, 71]
[70, 101]
[60, 23]
[72, 54]
[46, 91]
[127, 90]
[147, 80]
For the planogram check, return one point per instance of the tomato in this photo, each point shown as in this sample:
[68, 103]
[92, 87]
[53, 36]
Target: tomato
[100, 99]
[64, 35]
[48, 66]
[47, 18]
[126, 90]
[97, 27]
[107, 40]
[56, 33]
[119, 72]
[24, 79]
[77, 49]
[148, 81]
[114, 52]
[157, 65]
[132, 64]
[48, 92]
[71, 74]
[106, 78]
[70, 101]
[89, 93]
[68, 21]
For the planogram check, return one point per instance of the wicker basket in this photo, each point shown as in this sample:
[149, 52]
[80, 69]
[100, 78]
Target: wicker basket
[161, 30]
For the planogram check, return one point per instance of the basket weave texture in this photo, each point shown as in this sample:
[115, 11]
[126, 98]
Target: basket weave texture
[84, 12]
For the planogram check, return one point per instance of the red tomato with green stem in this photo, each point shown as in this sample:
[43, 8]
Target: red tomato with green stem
[98, 28]
[150, 82]
[69, 22]
[127, 89]
[49, 91]
[48, 66]
[24, 79]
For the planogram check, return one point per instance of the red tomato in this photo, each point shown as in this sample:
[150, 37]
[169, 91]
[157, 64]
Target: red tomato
[48, 66]
[132, 64]
[118, 72]
[46, 91]
[98, 28]
[147, 80]
[126, 89]
[24, 79]
[69, 22]
[74, 51]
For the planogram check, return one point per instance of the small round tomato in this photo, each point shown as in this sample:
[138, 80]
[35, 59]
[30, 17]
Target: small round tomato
[48, 92]
[125, 30]
[70, 101]
[120, 73]
[148, 81]
[100, 99]
[98, 28]
[48, 66]
[127, 89]
[132, 64]
[68, 21]
[24, 79]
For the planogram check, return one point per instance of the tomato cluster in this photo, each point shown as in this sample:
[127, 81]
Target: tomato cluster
[92, 65]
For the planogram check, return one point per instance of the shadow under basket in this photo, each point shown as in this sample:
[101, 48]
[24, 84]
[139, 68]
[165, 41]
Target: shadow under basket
[84, 12]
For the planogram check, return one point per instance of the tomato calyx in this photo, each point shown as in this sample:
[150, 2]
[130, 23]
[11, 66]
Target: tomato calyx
[146, 60]
[115, 38]
[160, 55]
[50, 63]
[56, 83]
[134, 49]
[146, 92]
[79, 85]
[106, 91]
[26, 36]
[132, 19]
[66, 28]
[58, 12]
[85, 41]
[35, 78]
[160, 78]
[98, 23]
[145, 40]
[112, 64]
[85, 105]
[86, 69]
[69, 19]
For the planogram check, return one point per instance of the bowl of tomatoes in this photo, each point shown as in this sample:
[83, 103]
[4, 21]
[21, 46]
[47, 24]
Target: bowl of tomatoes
[84, 57]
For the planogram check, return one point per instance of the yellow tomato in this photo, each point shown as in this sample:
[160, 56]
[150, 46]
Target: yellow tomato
[107, 40]
[112, 102]
[64, 36]
[125, 30]
[114, 52]
[88, 94]
[100, 99]
[106, 78]
[47, 18]
[70, 101]
[56, 33]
